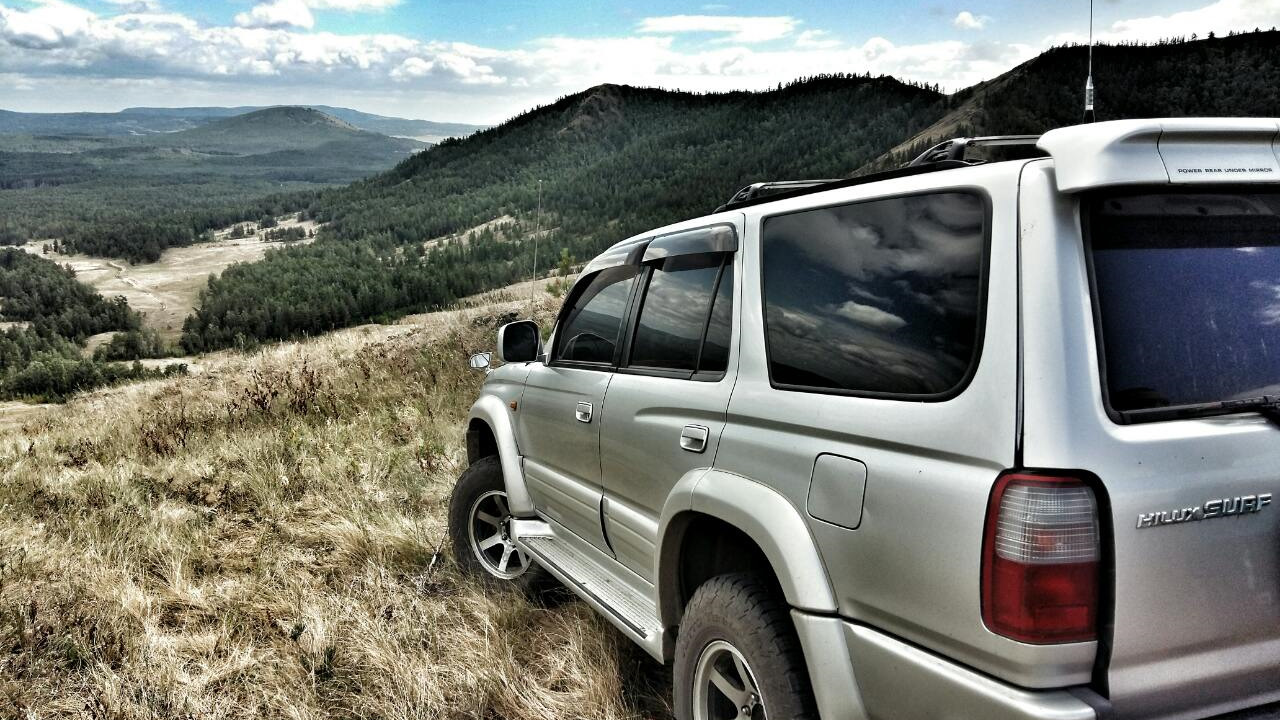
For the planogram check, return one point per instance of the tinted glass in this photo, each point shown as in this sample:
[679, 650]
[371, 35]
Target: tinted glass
[674, 314]
[591, 327]
[715, 349]
[875, 297]
[1188, 294]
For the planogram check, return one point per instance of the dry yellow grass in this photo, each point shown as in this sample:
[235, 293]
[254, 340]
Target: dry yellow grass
[265, 540]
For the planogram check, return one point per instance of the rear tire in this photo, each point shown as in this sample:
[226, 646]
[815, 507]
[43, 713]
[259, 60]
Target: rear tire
[479, 521]
[737, 649]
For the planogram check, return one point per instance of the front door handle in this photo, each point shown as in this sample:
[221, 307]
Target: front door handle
[694, 438]
[583, 412]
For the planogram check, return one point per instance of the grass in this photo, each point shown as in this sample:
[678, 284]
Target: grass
[266, 539]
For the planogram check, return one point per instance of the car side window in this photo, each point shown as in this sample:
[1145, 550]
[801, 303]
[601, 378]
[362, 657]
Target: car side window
[674, 312]
[592, 323]
[882, 298]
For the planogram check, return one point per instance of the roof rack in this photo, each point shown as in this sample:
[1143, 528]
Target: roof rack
[807, 187]
[947, 155]
[958, 148]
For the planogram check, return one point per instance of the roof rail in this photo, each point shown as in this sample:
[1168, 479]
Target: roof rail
[808, 187]
[777, 187]
[958, 148]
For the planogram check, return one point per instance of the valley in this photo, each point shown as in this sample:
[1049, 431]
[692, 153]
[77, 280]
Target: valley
[166, 291]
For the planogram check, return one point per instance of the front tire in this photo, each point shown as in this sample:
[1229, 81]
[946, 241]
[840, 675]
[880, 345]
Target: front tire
[479, 531]
[737, 655]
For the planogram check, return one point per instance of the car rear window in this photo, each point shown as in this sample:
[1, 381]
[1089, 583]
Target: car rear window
[1187, 294]
[881, 298]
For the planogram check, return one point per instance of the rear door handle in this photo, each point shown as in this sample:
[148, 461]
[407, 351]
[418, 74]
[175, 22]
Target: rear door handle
[694, 438]
[583, 412]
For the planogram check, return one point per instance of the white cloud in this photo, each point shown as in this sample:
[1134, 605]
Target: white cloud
[277, 14]
[739, 29]
[817, 40]
[352, 5]
[870, 316]
[137, 6]
[1221, 17]
[968, 21]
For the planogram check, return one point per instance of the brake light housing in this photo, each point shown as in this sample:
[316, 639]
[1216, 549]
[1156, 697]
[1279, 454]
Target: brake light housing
[1040, 559]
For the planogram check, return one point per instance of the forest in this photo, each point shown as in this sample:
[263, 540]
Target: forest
[48, 317]
[614, 161]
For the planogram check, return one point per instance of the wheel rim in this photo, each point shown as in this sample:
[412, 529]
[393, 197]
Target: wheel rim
[724, 686]
[489, 528]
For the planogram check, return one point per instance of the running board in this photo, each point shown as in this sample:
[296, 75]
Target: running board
[621, 603]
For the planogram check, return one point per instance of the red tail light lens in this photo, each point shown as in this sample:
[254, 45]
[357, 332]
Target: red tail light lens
[1040, 560]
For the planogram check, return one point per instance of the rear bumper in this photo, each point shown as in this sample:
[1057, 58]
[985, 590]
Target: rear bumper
[861, 674]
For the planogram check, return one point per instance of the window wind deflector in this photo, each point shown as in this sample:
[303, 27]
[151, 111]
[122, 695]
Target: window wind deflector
[1267, 406]
[715, 239]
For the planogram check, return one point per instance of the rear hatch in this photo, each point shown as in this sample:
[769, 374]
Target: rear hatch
[1185, 285]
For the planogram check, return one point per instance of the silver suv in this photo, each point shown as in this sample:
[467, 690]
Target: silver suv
[963, 440]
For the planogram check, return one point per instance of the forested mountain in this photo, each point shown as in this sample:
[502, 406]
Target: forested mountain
[134, 197]
[281, 129]
[617, 160]
[1238, 75]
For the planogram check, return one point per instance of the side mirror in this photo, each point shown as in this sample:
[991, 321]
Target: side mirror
[519, 342]
[480, 361]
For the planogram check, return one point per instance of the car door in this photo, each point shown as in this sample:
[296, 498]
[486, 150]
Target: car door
[558, 417]
[666, 404]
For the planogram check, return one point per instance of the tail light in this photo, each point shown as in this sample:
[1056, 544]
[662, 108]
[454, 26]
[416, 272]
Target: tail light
[1040, 559]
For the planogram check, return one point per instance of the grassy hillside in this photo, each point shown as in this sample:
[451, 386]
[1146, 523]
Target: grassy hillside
[264, 540]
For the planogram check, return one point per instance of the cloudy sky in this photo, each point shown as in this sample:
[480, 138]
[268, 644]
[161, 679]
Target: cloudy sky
[486, 60]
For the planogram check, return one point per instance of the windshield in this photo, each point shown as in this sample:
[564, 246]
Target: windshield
[1187, 292]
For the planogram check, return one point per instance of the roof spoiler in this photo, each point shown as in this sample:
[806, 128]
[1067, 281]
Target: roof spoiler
[1160, 152]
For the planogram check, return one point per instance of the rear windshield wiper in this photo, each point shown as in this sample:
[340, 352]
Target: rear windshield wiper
[1267, 406]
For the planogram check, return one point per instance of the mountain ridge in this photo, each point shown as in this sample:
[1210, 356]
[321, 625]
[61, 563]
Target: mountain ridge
[144, 121]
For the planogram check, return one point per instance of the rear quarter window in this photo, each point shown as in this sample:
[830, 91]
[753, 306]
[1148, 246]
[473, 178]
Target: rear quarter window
[882, 298]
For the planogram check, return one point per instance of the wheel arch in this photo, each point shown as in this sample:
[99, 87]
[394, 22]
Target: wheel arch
[714, 509]
[490, 432]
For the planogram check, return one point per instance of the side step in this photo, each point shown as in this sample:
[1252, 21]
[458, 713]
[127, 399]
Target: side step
[626, 606]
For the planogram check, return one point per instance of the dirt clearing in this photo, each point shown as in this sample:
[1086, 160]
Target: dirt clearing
[165, 291]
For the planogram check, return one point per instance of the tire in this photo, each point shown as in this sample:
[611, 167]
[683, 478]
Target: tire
[738, 618]
[478, 515]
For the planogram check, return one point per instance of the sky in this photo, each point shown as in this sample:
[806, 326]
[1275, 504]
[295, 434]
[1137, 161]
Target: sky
[485, 61]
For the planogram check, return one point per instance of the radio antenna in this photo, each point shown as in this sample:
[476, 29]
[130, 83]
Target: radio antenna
[1088, 83]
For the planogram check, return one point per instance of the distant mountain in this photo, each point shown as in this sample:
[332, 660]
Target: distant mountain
[281, 129]
[142, 121]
